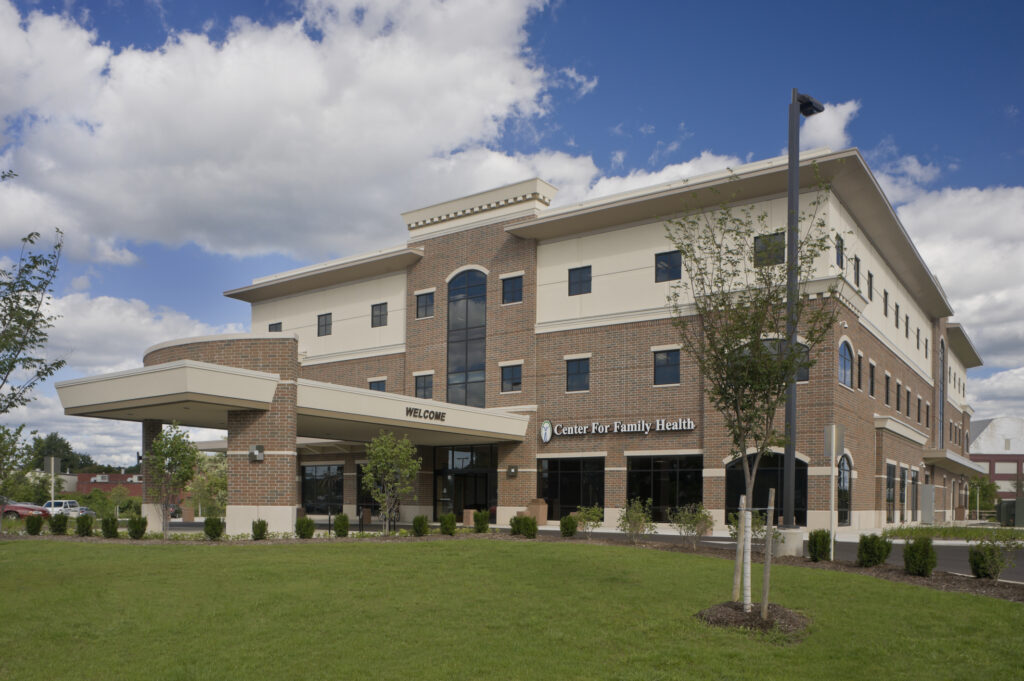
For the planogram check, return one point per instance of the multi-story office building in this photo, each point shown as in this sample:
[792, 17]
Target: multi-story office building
[529, 351]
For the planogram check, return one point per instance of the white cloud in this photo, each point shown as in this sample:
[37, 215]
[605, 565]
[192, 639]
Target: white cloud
[579, 82]
[706, 162]
[828, 129]
[998, 395]
[618, 157]
[80, 283]
[647, 129]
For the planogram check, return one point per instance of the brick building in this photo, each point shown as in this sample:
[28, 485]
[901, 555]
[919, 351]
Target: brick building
[528, 351]
[998, 446]
[108, 482]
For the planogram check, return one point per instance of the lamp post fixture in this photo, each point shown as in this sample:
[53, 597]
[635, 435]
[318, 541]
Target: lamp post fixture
[807, 106]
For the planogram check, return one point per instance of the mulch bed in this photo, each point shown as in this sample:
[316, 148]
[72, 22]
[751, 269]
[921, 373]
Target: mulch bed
[790, 623]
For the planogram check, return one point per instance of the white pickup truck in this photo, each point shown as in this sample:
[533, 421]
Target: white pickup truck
[68, 507]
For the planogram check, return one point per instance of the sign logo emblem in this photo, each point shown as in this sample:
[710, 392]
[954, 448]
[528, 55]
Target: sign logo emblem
[546, 431]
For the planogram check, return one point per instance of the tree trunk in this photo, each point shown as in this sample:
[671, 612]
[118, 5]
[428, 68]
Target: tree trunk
[738, 567]
[769, 537]
[747, 534]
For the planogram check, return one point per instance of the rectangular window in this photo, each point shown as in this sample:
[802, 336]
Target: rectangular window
[871, 379]
[906, 326]
[919, 338]
[670, 482]
[885, 302]
[323, 489]
[668, 266]
[887, 381]
[926, 348]
[577, 375]
[379, 315]
[913, 495]
[569, 484]
[908, 403]
[382, 386]
[919, 410]
[860, 372]
[275, 327]
[839, 251]
[928, 415]
[770, 249]
[511, 290]
[856, 271]
[512, 379]
[899, 395]
[425, 387]
[903, 486]
[425, 305]
[871, 286]
[890, 493]
[323, 324]
[579, 280]
[896, 307]
[666, 367]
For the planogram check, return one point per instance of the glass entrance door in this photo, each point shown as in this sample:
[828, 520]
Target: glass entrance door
[465, 478]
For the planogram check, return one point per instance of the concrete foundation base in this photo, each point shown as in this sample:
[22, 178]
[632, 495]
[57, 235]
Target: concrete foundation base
[792, 543]
[279, 518]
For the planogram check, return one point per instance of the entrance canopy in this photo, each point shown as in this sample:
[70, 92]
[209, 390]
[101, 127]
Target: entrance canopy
[954, 463]
[201, 395]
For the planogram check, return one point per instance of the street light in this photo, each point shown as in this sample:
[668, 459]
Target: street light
[807, 106]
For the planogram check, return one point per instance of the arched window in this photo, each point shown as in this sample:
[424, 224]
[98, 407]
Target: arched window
[844, 490]
[846, 364]
[467, 330]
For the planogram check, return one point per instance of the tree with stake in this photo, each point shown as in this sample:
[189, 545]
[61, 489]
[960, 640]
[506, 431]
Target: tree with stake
[170, 465]
[730, 310]
[389, 472]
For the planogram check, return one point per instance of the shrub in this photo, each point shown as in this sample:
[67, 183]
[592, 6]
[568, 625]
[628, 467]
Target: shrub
[819, 543]
[692, 520]
[420, 526]
[568, 525]
[259, 529]
[448, 524]
[83, 526]
[137, 526]
[34, 524]
[58, 524]
[635, 520]
[213, 528]
[991, 556]
[341, 525]
[588, 518]
[515, 525]
[528, 526]
[919, 557]
[872, 550]
[109, 527]
[304, 527]
[481, 521]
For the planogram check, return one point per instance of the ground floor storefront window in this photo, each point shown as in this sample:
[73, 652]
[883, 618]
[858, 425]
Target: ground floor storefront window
[465, 477]
[322, 488]
[568, 484]
[769, 475]
[668, 481]
[890, 493]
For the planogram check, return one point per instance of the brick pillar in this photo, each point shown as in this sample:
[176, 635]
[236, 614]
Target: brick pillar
[150, 503]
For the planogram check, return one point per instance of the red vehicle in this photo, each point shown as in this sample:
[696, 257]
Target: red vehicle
[16, 509]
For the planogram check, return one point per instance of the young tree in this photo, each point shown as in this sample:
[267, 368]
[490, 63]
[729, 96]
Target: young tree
[389, 472]
[170, 465]
[209, 488]
[730, 310]
[984, 491]
[13, 452]
[25, 288]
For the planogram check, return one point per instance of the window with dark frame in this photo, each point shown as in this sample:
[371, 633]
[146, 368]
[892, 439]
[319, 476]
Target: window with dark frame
[425, 305]
[846, 364]
[322, 489]
[885, 302]
[579, 280]
[668, 481]
[896, 308]
[577, 375]
[906, 326]
[871, 286]
[274, 328]
[856, 271]
[425, 387]
[381, 386]
[908, 403]
[887, 382]
[839, 251]
[899, 396]
[668, 265]
[928, 415]
[860, 372]
[666, 367]
[569, 484]
[323, 324]
[467, 339]
[378, 315]
[890, 492]
[871, 379]
[511, 290]
[512, 378]
[770, 249]
[919, 410]
[919, 338]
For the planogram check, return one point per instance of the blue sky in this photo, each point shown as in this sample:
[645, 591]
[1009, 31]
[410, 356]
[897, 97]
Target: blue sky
[186, 147]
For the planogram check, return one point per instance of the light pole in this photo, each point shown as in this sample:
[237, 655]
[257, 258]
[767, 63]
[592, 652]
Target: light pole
[807, 106]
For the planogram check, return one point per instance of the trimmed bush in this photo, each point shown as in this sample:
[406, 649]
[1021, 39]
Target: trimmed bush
[109, 527]
[818, 544]
[58, 524]
[137, 526]
[481, 521]
[304, 527]
[341, 525]
[420, 526]
[635, 521]
[259, 529]
[34, 524]
[568, 525]
[83, 526]
[213, 528]
[448, 524]
[589, 518]
[528, 526]
[515, 525]
[919, 557]
[872, 550]
[693, 521]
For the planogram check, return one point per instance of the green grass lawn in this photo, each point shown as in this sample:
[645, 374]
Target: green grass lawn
[463, 609]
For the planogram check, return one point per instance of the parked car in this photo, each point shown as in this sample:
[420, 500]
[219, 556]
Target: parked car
[85, 510]
[18, 509]
[68, 507]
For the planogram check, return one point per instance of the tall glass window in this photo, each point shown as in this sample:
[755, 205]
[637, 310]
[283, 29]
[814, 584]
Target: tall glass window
[425, 386]
[769, 475]
[668, 481]
[913, 495]
[467, 329]
[465, 477]
[942, 392]
[322, 489]
[890, 493]
[903, 493]
[568, 484]
[843, 491]
[846, 364]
